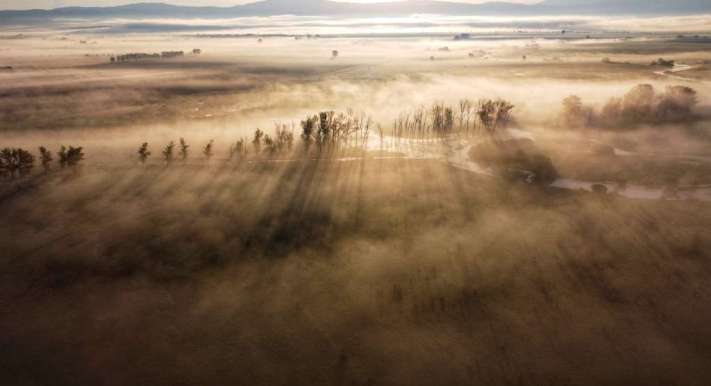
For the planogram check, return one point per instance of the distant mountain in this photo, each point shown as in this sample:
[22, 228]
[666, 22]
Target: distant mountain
[612, 7]
[408, 7]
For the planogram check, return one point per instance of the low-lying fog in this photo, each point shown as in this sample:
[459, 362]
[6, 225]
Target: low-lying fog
[415, 25]
[480, 263]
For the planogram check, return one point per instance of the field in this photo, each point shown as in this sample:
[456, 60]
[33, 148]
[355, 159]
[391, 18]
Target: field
[564, 243]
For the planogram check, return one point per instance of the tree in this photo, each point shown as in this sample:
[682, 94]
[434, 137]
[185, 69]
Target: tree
[270, 146]
[257, 141]
[16, 162]
[574, 114]
[284, 139]
[442, 119]
[143, 153]
[45, 158]
[184, 150]
[325, 128]
[676, 104]
[637, 104]
[207, 151]
[239, 149]
[493, 114]
[168, 151]
[308, 131]
[70, 157]
[611, 112]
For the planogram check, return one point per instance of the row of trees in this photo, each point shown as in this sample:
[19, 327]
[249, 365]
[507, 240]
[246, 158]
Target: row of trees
[468, 118]
[134, 57]
[328, 131]
[322, 135]
[17, 161]
[641, 105]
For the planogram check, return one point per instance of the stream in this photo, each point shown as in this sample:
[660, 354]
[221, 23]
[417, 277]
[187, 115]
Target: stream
[456, 153]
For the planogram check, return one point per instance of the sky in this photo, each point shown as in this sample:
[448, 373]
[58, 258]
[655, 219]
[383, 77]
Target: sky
[47, 4]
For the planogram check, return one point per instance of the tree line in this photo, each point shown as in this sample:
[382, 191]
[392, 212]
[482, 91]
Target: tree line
[640, 105]
[467, 118]
[16, 162]
[321, 135]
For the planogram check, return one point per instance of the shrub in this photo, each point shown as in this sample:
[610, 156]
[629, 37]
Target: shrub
[664, 63]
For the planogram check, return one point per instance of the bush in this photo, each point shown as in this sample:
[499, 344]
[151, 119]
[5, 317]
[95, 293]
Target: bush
[663, 63]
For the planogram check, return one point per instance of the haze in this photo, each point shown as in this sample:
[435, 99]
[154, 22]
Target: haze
[49, 4]
[252, 197]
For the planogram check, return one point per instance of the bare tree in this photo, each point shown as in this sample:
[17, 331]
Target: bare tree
[184, 150]
[270, 145]
[207, 150]
[284, 139]
[257, 141]
[308, 131]
[238, 149]
[168, 153]
[46, 158]
[493, 114]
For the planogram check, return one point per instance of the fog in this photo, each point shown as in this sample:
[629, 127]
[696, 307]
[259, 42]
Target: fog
[419, 238]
